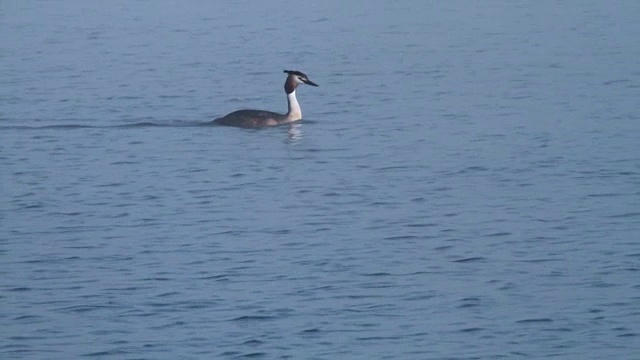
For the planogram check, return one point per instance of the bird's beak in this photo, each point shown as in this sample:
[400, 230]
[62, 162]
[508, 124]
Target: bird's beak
[309, 82]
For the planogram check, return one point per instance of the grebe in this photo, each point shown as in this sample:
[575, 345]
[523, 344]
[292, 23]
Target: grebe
[261, 118]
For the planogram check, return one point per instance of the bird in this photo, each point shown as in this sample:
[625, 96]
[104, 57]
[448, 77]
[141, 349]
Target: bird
[252, 119]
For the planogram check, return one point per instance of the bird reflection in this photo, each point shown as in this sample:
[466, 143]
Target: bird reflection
[294, 133]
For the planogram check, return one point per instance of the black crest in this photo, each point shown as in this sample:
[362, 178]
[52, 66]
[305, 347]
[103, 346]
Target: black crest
[296, 72]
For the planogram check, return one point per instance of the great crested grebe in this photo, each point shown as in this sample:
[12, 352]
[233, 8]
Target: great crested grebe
[262, 118]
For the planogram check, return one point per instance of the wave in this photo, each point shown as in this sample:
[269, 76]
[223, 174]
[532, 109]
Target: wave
[143, 124]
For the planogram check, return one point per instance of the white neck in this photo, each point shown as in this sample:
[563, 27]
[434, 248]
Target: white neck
[294, 112]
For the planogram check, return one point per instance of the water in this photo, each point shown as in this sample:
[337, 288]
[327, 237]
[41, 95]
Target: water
[465, 184]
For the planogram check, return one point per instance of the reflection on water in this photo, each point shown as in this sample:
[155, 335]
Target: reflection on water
[295, 132]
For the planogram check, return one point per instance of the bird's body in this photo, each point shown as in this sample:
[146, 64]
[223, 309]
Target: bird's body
[251, 119]
[262, 118]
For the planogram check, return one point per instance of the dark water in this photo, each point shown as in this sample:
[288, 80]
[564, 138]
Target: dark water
[466, 184]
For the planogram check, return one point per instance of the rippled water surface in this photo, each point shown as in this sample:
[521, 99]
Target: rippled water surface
[465, 184]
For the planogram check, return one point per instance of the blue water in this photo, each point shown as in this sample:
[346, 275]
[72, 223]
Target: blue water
[465, 184]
